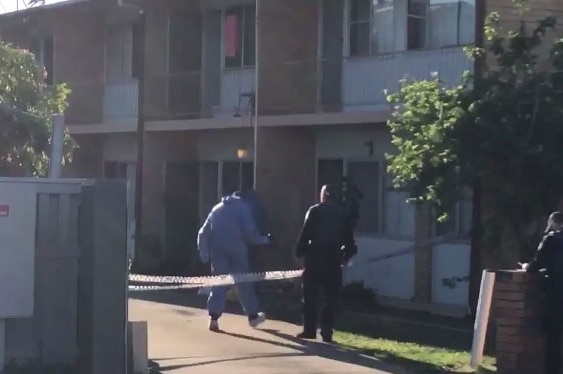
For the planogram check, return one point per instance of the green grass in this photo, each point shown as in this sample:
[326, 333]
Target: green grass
[425, 358]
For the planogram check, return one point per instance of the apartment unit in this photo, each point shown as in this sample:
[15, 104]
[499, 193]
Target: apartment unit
[316, 74]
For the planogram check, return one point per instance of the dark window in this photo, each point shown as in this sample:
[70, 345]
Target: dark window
[115, 169]
[329, 172]
[236, 176]
[416, 24]
[365, 175]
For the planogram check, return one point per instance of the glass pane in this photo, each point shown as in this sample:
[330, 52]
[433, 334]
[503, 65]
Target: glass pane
[110, 169]
[416, 33]
[249, 36]
[383, 33]
[365, 175]
[122, 172]
[417, 8]
[399, 215]
[359, 39]
[232, 37]
[467, 21]
[209, 173]
[48, 58]
[231, 171]
[443, 23]
[329, 172]
[247, 175]
[359, 10]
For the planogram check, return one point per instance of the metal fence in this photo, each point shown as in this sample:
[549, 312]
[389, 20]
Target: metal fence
[79, 318]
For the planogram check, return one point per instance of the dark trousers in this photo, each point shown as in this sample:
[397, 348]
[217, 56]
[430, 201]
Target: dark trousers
[553, 325]
[325, 281]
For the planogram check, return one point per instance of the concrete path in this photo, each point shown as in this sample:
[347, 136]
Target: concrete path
[180, 343]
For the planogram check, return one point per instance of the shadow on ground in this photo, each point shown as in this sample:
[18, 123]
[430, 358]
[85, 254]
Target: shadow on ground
[288, 310]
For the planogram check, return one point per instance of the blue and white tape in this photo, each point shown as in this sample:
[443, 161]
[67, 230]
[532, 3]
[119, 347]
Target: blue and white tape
[177, 282]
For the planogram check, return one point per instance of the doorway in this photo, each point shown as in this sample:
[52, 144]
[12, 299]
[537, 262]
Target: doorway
[181, 215]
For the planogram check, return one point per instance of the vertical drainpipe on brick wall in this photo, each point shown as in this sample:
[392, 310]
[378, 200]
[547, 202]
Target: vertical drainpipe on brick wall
[476, 218]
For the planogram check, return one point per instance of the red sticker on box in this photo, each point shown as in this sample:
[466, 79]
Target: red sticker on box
[4, 210]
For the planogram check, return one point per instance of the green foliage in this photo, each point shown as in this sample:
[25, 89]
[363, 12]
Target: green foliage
[26, 107]
[505, 129]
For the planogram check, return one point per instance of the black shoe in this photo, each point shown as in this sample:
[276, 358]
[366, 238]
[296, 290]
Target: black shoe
[306, 335]
[327, 336]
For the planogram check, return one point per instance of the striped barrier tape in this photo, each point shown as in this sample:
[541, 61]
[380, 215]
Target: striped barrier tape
[179, 282]
[174, 282]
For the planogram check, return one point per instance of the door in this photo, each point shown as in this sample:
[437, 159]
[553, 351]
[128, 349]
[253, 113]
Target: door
[181, 205]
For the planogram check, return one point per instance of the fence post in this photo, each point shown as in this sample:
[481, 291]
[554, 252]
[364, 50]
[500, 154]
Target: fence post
[57, 141]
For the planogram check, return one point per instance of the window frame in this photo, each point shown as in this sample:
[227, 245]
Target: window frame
[39, 42]
[381, 193]
[424, 19]
[426, 44]
[244, 11]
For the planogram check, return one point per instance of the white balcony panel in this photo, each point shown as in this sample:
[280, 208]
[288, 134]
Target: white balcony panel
[235, 82]
[365, 79]
[120, 101]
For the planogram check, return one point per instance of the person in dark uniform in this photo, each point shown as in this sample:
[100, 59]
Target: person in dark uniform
[351, 196]
[326, 244]
[549, 257]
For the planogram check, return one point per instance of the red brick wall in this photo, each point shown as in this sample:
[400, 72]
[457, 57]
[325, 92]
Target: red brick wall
[517, 309]
[287, 52]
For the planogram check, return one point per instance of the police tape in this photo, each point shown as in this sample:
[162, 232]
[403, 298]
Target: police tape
[179, 282]
[176, 282]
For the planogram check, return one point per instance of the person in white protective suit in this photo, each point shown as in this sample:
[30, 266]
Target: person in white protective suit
[223, 241]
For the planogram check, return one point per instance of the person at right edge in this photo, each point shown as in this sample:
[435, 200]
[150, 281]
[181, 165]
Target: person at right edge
[549, 257]
[326, 244]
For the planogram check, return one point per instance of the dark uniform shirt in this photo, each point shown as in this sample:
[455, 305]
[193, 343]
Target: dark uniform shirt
[549, 256]
[327, 238]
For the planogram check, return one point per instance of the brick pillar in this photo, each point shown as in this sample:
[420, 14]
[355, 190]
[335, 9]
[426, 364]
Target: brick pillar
[517, 309]
[423, 254]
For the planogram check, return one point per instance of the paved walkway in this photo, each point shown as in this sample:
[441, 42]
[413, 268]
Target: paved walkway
[180, 343]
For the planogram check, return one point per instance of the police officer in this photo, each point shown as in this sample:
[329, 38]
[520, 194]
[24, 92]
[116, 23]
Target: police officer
[549, 257]
[351, 196]
[326, 243]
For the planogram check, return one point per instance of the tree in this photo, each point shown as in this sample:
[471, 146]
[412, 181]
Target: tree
[26, 107]
[508, 135]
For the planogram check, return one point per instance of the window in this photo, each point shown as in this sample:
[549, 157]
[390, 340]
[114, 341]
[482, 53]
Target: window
[371, 27]
[43, 49]
[366, 176]
[115, 169]
[451, 22]
[239, 37]
[399, 217]
[459, 222]
[416, 24]
[237, 175]
[124, 170]
[121, 41]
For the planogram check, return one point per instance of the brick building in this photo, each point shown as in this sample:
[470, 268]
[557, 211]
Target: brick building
[322, 68]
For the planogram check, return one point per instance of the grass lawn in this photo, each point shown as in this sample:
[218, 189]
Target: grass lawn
[425, 358]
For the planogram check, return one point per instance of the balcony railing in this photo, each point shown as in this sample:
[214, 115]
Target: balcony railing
[293, 87]
[365, 79]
